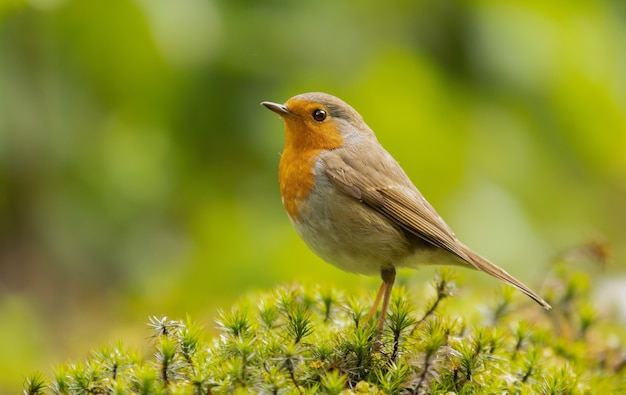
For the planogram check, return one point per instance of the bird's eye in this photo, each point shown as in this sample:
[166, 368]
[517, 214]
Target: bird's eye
[319, 115]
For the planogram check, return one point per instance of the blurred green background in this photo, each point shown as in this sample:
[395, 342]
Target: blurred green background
[138, 171]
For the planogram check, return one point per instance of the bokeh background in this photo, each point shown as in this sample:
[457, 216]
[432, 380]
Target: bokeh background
[138, 171]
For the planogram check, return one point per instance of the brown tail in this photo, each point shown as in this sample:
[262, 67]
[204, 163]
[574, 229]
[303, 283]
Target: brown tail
[484, 265]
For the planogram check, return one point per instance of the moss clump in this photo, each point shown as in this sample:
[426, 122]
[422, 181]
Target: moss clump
[298, 340]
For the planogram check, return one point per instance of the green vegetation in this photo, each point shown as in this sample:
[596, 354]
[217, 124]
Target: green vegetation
[299, 340]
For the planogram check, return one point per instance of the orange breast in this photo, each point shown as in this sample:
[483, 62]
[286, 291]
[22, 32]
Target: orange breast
[295, 176]
[304, 141]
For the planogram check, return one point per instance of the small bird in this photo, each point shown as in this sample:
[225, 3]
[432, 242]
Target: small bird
[354, 206]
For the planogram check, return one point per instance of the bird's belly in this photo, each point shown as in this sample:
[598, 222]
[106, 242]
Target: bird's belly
[350, 235]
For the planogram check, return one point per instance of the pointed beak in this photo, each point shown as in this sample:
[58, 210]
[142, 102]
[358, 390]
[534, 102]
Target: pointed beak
[279, 109]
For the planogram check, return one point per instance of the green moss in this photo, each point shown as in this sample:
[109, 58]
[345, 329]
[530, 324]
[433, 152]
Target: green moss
[300, 340]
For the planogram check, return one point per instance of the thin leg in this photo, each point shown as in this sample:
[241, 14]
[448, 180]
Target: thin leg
[381, 290]
[389, 277]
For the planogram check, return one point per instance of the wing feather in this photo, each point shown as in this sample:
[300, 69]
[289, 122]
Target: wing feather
[402, 204]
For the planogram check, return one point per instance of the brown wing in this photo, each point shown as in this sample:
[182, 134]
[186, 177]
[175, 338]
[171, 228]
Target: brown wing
[385, 187]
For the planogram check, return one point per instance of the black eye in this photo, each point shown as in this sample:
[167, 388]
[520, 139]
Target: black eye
[319, 115]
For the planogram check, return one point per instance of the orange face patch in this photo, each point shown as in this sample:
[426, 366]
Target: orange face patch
[305, 138]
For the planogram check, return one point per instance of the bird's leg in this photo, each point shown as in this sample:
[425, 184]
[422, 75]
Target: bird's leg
[381, 291]
[389, 277]
[384, 292]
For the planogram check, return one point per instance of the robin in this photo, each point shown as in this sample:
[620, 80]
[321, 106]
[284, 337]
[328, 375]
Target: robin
[354, 206]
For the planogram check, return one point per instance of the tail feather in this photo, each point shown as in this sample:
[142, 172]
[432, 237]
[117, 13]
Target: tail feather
[484, 265]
